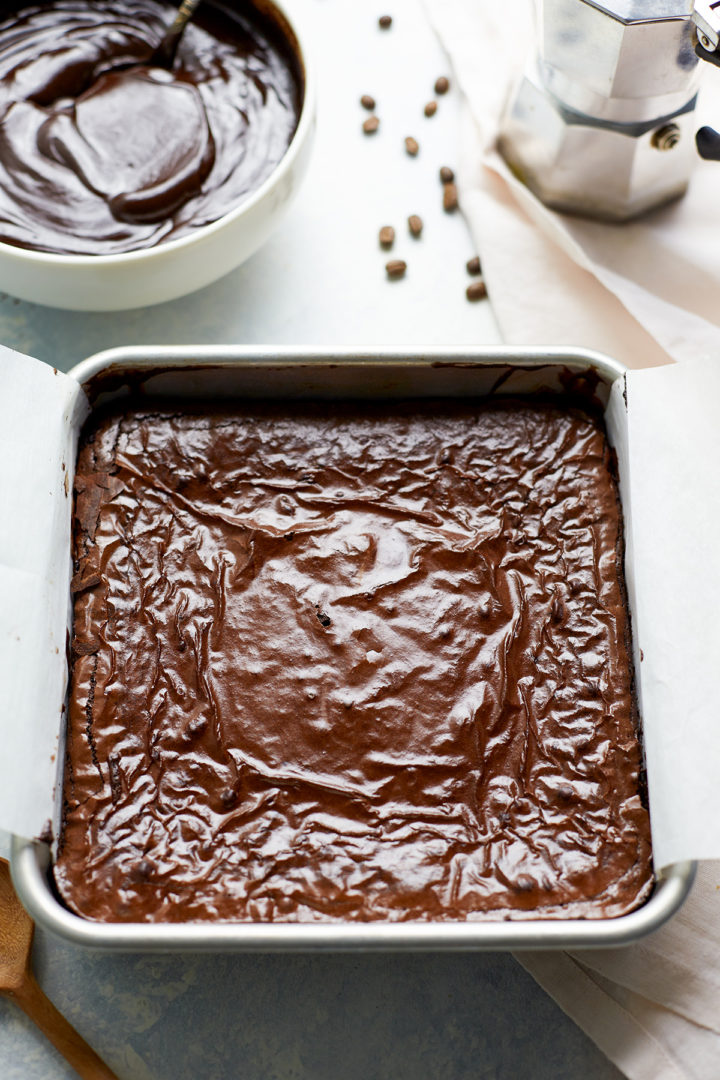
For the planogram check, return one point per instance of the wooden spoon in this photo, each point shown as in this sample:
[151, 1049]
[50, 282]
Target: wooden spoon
[18, 983]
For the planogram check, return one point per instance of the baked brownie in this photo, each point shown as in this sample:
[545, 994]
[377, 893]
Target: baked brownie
[351, 662]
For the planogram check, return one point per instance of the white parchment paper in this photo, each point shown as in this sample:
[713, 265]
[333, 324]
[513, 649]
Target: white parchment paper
[40, 413]
[663, 424]
[674, 455]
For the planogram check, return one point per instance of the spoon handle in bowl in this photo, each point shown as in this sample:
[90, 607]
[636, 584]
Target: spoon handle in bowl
[59, 1031]
[165, 53]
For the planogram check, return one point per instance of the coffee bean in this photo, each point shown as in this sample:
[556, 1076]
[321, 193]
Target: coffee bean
[385, 22]
[367, 102]
[442, 85]
[411, 145]
[396, 268]
[450, 198]
[431, 108]
[415, 224]
[371, 125]
[386, 236]
[447, 175]
[476, 290]
[473, 266]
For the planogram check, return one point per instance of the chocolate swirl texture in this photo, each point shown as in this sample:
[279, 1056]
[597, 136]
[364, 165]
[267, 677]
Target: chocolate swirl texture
[345, 663]
[97, 158]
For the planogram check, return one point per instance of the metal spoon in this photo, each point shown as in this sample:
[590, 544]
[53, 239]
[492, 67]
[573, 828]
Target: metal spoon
[164, 55]
[18, 983]
[165, 52]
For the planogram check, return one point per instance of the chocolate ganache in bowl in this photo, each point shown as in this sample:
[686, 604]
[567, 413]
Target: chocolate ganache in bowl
[104, 153]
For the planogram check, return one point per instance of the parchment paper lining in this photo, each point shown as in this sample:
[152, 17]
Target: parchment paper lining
[41, 411]
[663, 424]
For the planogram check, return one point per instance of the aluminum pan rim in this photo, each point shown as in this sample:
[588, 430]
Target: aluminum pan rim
[178, 357]
[29, 871]
[30, 860]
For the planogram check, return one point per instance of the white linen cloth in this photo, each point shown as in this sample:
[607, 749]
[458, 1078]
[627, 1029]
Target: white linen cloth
[646, 292]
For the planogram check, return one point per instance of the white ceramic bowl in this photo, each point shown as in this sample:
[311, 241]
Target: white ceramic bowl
[178, 267]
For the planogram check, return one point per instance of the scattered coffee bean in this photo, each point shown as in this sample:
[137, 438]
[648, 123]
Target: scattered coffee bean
[385, 22]
[367, 102]
[476, 290]
[431, 108]
[450, 198]
[447, 175]
[387, 236]
[415, 224]
[396, 268]
[442, 85]
[411, 145]
[473, 265]
[371, 125]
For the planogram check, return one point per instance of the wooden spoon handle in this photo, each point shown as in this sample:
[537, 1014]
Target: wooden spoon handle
[60, 1032]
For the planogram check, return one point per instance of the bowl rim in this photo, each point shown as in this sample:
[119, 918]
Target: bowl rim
[288, 10]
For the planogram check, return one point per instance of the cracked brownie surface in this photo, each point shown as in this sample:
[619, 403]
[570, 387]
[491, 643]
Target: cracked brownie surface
[350, 662]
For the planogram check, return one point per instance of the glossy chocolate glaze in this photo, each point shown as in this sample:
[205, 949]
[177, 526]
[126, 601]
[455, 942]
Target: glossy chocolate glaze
[338, 663]
[100, 160]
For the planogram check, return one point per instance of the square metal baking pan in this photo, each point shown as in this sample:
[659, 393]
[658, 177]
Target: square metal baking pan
[383, 374]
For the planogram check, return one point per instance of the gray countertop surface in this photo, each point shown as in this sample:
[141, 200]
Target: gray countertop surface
[319, 281]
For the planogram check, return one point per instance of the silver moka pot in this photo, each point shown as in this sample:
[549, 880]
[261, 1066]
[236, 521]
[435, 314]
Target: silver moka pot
[602, 122]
